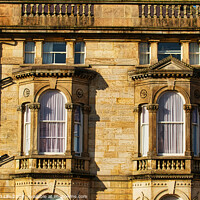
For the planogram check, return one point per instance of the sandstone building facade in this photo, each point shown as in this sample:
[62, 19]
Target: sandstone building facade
[100, 100]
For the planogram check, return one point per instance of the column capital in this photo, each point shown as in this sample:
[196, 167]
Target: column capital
[152, 107]
[188, 108]
[20, 108]
[86, 109]
[137, 109]
[34, 106]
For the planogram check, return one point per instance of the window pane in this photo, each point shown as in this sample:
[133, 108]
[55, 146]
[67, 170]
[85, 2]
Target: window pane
[59, 47]
[144, 59]
[145, 139]
[144, 47]
[195, 139]
[29, 46]
[194, 59]
[79, 47]
[29, 58]
[60, 58]
[79, 58]
[48, 58]
[194, 47]
[48, 47]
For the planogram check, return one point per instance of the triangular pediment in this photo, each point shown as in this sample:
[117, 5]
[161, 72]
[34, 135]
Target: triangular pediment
[171, 64]
[168, 67]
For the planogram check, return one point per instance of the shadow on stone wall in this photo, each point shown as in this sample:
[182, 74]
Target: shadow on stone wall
[96, 184]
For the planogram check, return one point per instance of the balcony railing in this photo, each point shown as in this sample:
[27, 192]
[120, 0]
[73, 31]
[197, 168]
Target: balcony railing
[51, 164]
[164, 165]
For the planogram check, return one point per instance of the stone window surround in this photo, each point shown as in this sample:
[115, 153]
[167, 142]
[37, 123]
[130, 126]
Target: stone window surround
[34, 132]
[154, 50]
[153, 108]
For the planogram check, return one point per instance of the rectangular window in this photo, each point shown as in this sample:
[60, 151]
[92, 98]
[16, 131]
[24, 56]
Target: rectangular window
[194, 53]
[144, 49]
[167, 49]
[79, 53]
[54, 53]
[27, 126]
[29, 53]
[144, 132]
[195, 131]
[78, 130]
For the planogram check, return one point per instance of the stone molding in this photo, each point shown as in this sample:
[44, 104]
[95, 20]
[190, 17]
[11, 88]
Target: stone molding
[137, 109]
[152, 107]
[188, 107]
[86, 109]
[20, 108]
[34, 106]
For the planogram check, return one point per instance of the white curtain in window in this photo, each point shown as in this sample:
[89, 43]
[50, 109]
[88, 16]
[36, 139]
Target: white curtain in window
[47, 57]
[52, 122]
[29, 52]
[144, 53]
[27, 126]
[194, 53]
[170, 124]
[144, 134]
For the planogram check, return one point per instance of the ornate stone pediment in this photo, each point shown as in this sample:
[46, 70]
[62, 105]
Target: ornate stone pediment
[168, 67]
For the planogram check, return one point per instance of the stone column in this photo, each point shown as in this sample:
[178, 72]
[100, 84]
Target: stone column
[20, 110]
[86, 110]
[70, 52]
[152, 108]
[154, 51]
[188, 129]
[34, 107]
[70, 129]
[38, 50]
[137, 112]
[185, 51]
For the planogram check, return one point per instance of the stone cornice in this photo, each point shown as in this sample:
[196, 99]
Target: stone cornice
[53, 71]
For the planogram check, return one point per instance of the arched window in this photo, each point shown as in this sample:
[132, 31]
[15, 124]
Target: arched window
[26, 129]
[78, 130]
[170, 124]
[144, 131]
[52, 122]
[195, 131]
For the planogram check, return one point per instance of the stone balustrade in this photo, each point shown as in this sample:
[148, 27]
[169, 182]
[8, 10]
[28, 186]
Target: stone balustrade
[170, 164]
[57, 9]
[169, 11]
[52, 164]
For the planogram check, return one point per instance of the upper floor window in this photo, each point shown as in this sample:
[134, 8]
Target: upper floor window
[26, 130]
[29, 56]
[194, 53]
[78, 130]
[169, 48]
[195, 131]
[52, 130]
[54, 53]
[144, 52]
[79, 53]
[170, 124]
[144, 131]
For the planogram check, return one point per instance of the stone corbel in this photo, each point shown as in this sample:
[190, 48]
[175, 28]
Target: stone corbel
[34, 106]
[69, 106]
[21, 108]
[152, 107]
[86, 109]
[188, 108]
[137, 109]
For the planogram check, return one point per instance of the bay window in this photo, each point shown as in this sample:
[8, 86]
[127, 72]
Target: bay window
[144, 51]
[29, 56]
[52, 118]
[54, 53]
[26, 130]
[170, 124]
[169, 48]
[144, 131]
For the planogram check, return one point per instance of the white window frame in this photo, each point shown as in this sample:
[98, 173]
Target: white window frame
[54, 54]
[170, 52]
[141, 132]
[145, 53]
[169, 122]
[53, 121]
[80, 134]
[79, 52]
[194, 53]
[29, 52]
[26, 136]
